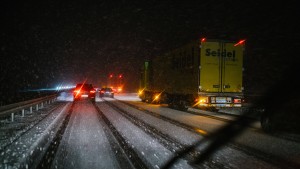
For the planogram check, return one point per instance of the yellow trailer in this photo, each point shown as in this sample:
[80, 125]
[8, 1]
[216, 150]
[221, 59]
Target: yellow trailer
[203, 73]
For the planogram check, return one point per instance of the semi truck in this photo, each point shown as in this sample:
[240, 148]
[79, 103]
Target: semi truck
[205, 73]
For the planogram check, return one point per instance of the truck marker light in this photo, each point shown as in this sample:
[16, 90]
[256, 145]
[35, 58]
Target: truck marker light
[240, 42]
[201, 100]
[157, 97]
[141, 91]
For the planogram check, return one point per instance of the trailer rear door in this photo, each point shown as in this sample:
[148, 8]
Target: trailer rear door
[210, 67]
[232, 68]
[221, 65]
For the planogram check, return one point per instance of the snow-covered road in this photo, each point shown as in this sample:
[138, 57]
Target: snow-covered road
[84, 143]
[112, 134]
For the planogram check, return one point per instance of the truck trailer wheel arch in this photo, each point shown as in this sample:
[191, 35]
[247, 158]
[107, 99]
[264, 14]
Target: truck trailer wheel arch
[183, 105]
[178, 102]
[267, 123]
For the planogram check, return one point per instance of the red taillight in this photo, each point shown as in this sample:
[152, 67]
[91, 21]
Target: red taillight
[76, 93]
[102, 91]
[93, 91]
[237, 100]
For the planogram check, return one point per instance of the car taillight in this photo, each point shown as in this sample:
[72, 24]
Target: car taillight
[93, 91]
[101, 91]
[76, 91]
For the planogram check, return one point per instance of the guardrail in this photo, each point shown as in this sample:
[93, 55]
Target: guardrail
[12, 109]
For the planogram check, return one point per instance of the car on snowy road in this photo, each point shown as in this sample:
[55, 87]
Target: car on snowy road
[84, 90]
[107, 92]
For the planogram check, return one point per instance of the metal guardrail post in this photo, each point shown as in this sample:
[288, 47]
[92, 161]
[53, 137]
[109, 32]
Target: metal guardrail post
[12, 109]
[12, 116]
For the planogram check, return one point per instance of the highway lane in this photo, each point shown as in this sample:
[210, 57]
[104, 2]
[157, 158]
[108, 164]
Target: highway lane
[84, 143]
[97, 135]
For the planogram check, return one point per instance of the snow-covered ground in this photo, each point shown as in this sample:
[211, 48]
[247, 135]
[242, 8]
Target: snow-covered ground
[251, 137]
[86, 144]
[31, 134]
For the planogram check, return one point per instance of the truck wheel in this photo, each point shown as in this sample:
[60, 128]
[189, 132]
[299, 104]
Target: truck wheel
[266, 123]
[183, 106]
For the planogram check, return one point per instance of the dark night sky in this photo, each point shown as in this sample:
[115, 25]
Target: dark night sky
[50, 42]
